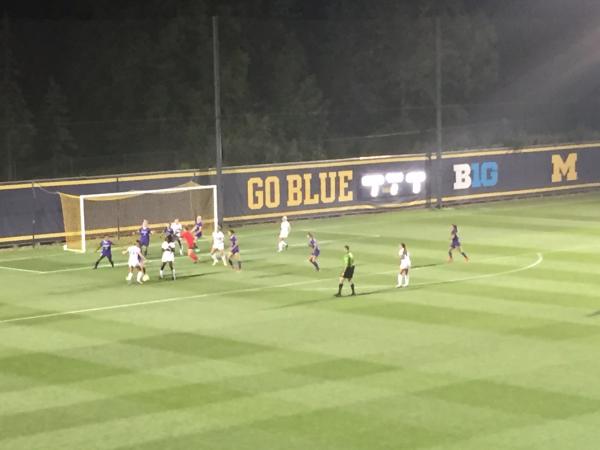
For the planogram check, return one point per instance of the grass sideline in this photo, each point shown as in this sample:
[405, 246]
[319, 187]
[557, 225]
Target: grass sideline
[497, 353]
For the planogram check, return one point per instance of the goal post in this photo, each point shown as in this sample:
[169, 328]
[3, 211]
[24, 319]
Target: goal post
[96, 215]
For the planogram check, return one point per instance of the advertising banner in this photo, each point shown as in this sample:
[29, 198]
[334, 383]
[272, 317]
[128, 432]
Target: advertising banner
[31, 211]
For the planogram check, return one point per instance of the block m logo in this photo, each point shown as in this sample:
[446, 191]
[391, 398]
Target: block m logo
[564, 168]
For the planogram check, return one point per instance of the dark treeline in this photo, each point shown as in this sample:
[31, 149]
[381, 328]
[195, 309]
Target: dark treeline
[100, 87]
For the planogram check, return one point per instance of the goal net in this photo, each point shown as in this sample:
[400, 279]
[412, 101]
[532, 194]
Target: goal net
[95, 215]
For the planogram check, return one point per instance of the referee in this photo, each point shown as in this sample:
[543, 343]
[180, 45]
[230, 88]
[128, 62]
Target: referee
[348, 272]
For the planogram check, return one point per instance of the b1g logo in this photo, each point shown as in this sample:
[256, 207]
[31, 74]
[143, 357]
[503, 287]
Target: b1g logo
[475, 175]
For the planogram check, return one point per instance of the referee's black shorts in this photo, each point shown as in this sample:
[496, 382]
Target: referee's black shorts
[348, 273]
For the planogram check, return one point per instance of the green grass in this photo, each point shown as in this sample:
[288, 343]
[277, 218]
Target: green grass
[495, 354]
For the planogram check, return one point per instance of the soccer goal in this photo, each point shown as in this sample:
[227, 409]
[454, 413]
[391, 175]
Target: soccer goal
[95, 215]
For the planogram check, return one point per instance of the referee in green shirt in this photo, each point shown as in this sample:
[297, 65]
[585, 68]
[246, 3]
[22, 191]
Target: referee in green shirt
[347, 273]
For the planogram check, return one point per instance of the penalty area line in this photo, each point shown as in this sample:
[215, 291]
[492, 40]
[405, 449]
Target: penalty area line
[39, 272]
[539, 259]
[156, 302]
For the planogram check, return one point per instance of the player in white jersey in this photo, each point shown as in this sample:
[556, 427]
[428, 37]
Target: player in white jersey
[218, 247]
[284, 232]
[177, 227]
[135, 261]
[404, 266]
[168, 256]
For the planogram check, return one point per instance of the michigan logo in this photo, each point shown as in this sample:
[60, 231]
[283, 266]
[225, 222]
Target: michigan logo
[564, 168]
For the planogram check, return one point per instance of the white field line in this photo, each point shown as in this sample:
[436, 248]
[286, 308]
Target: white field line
[537, 262]
[122, 264]
[39, 272]
[539, 259]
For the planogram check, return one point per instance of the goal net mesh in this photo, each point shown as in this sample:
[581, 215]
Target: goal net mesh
[123, 213]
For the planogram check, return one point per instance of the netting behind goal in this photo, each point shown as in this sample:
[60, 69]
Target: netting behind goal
[92, 216]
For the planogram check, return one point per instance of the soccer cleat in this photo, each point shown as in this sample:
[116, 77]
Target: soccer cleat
[398, 286]
[337, 295]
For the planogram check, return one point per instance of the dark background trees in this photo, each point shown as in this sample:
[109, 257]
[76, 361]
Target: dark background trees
[131, 84]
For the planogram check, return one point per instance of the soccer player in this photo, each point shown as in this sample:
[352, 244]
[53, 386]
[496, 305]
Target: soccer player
[455, 244]
[177, 228]
[284, 232]
[136, 260]
[145, 233]
[218, 246]
[404, 266]
[106, 246]
[188, 237]
[197, 230]
[347, 273]
[234, 250]
[315, 251]
[168, 256]
[169, 232]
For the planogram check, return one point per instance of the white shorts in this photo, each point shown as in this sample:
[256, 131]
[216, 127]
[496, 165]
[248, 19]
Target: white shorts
[219, 247]
[133, 263]
[404, 265]
[168, 257]
[283, 235]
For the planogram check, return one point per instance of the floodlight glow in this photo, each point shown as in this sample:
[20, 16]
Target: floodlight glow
[394, 179]
[416, 179]
[374, 182]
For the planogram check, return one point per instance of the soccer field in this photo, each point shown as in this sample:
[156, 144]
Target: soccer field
[497, 353]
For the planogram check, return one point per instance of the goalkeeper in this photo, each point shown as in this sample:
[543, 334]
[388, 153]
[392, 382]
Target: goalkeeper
[347, 272]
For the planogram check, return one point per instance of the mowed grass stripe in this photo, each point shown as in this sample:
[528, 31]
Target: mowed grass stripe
[302, 359]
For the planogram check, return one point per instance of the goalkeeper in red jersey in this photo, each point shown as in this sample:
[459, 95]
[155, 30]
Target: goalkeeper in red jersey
[188, 237]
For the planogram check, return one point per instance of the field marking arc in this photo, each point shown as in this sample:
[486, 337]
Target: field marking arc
[538, 261]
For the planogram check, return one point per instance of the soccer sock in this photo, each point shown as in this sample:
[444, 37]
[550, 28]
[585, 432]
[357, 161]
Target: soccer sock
[406, 280]
[464, 255]
[352, 287]
[161, 272]
[450, 254]
[231, 263]
[399, 280]
[240, 264]
[280, 246]
[193, 256]
[173, 274]
[314, 263]
[111, 262]
[340, 288]
[139, 277]
[129, 276]
[98, 262]
[224, 259]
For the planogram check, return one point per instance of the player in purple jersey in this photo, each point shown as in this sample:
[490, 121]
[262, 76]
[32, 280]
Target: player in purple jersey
[169, 232]
[234, 250]
[455, 244]
[197, 231]
[315, 251]
[106, 246]
[145, 233]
